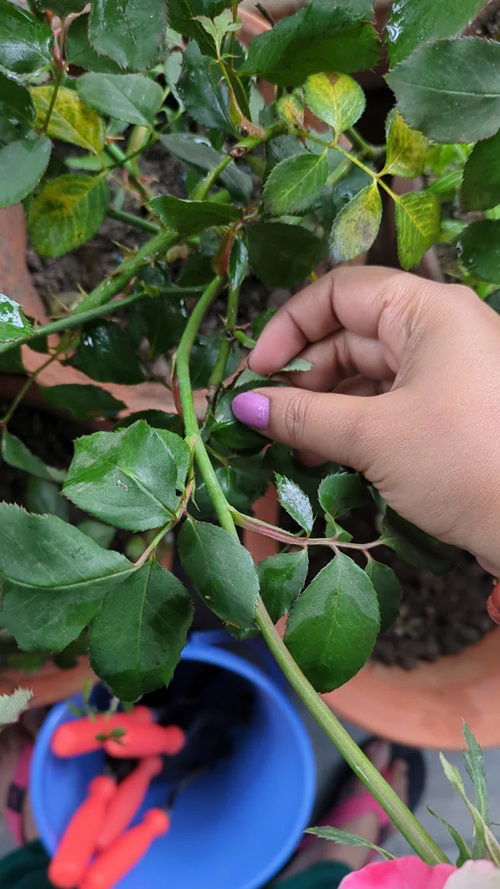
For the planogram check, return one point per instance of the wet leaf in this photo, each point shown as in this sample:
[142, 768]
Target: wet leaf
[25, 42]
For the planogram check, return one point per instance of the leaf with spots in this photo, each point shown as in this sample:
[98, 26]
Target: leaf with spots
[356, 226]
[71, 120]
[296, 503]
[128, 478]
[67, 212]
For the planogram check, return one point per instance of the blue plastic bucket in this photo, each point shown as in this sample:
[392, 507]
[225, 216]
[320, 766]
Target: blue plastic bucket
[235, 826]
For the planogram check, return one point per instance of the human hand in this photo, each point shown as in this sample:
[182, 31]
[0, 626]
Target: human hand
[404, 387]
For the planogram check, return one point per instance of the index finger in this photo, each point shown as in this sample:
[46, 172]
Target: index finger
[350, 297]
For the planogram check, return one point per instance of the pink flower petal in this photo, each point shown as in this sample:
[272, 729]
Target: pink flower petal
[404, 873]
[475, 875]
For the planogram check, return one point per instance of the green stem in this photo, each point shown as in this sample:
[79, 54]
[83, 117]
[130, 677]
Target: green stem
[128, 269]
[120, 156]
[53, 97]
[418, 838]
[77, 319]
[367, 148]
[25, 388]
[132, 219]
[191, 426]
[218, 374]
[405, 821]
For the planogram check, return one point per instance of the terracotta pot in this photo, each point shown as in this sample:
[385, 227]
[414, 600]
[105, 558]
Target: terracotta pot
[50, 683]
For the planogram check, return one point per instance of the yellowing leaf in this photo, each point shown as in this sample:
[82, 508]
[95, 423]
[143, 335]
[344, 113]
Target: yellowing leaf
[291, 109]
[71, 120]
[336, 99]
[417, 225]
[406, 148]
[295, 183]
[67, 212]
[355, 228]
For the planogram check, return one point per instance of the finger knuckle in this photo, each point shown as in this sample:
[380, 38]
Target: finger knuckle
[296, 418]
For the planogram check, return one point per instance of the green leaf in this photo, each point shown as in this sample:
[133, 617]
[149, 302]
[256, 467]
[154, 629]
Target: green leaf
[415, 546]
[133, 98]
[14, 324]
[323, 35]
[82, 402]
[296, 503]
[333, 625]
[336, 835]
[238, 264]
[11, 706]
[15, 453]
[297, 365]
[157, 419]
[108, 353]
[184, 19]
[484, 839]
[25, 42]
[161, 320]
[295, 183]
[243, 481]
[418, 219]
[281, 579]
[126, 478]
[67, 212]
[54, 578]
[413, 23]
[388, 590]
[222, 571]
[341, 492]
[11, 361]
[22, 165]
[218, 27]
[281, 255]
[61, 7]
[356, 226]
[227, 429]
[479, 249]
[406, 148]
[335, 98]
[192, 217]
[464, 853]
[196, 151]
[136, 640]
[80, 53]
[204, 355]
[450, 90]
[474, 763]
[481, 181]
[45, 498]
[15, 100]
[131, 32]
[100, 533]
[71, 120]
[203, 94]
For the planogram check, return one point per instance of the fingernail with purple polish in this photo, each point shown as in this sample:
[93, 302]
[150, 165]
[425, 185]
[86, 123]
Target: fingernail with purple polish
[252, 409]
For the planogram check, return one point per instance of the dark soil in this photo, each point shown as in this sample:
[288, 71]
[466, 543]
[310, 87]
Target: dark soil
[48, 436]
[487, 23]
[59, 280]
[438, 615]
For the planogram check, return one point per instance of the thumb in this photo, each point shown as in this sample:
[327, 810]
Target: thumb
[346, 429]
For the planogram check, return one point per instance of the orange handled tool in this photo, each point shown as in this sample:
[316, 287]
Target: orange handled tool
[80, 837]
[79, 736]
[127, 800]
[118, 859]
[142, 740]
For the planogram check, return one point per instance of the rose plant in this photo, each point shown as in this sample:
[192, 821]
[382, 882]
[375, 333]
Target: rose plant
[271, 193]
